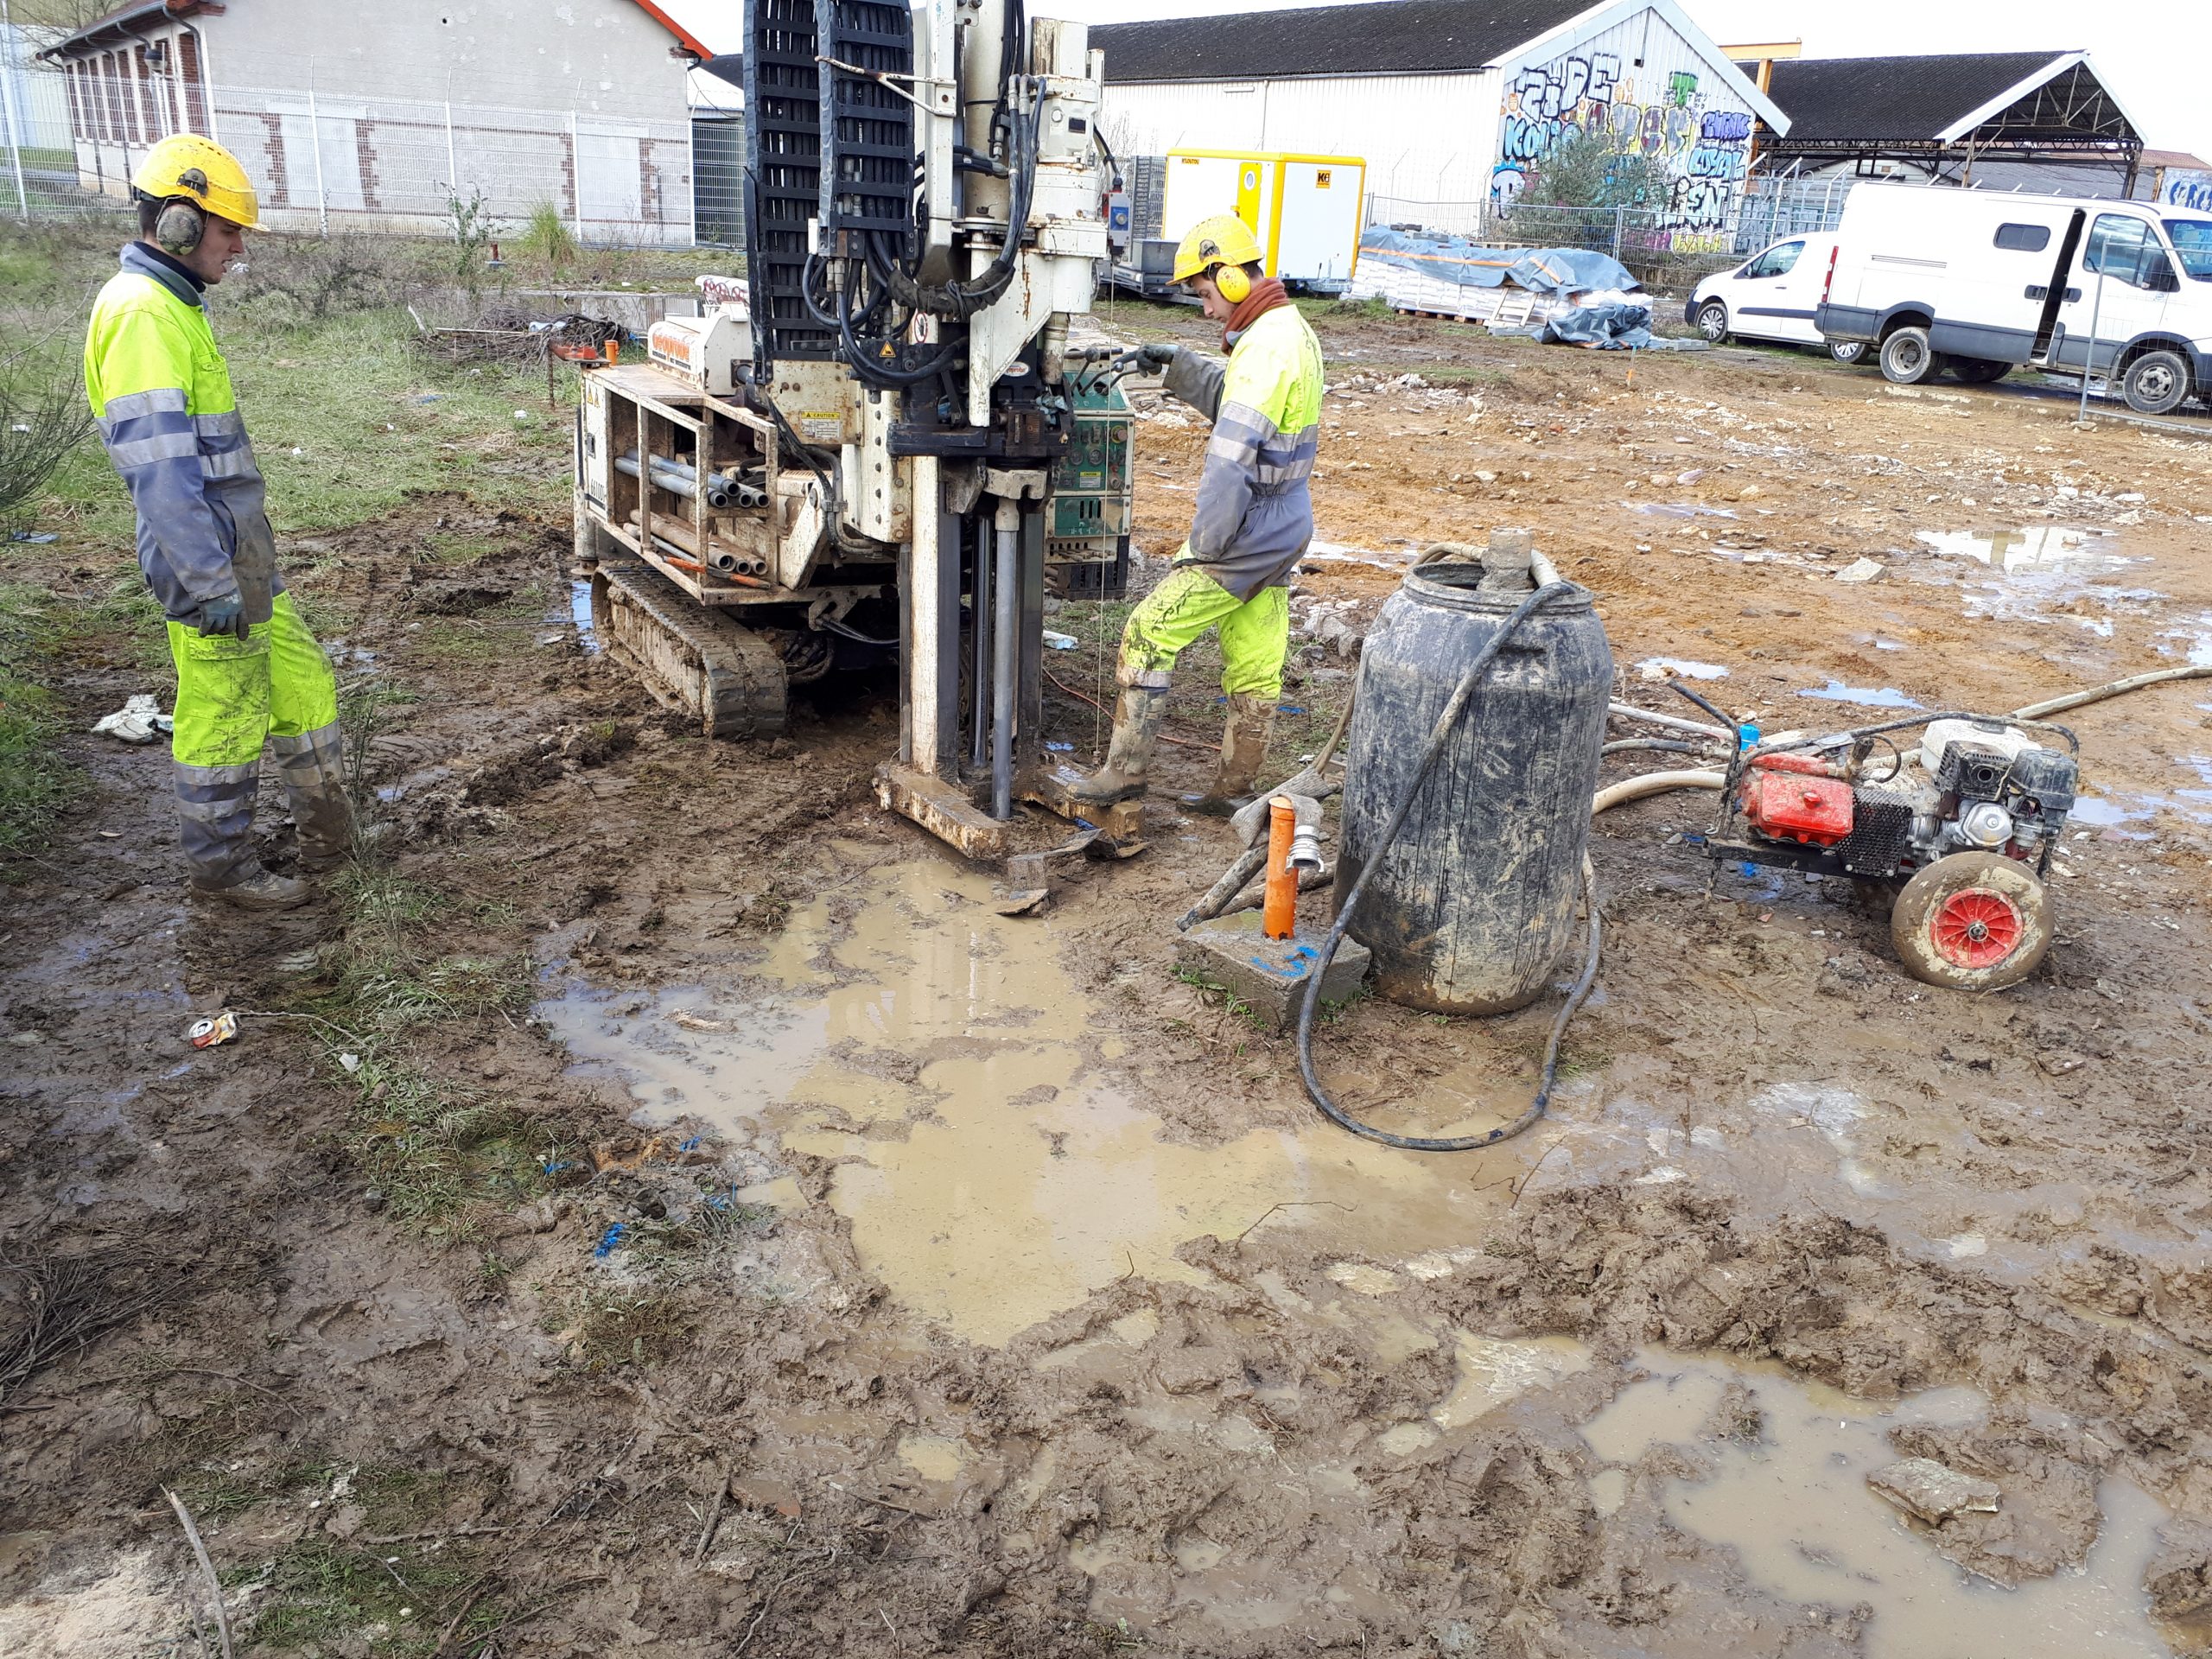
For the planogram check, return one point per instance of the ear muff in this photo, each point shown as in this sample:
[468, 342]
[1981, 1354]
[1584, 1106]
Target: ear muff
[1233, 281]
[179, 228]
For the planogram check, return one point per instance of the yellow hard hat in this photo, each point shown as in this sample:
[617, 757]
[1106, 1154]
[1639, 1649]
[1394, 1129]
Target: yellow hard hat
[202, 171]
[1224, 239]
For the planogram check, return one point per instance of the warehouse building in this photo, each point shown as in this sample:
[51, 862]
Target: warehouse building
[348, 117]
[1449, 101]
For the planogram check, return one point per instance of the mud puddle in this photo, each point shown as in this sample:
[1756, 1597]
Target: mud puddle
[1865, 696]
[1660, 668]
[1793, 1503]
[2044, 573]
[578, 614]
[995, 1167]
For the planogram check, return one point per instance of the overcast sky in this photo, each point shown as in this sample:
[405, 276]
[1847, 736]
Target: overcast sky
[2153, 53]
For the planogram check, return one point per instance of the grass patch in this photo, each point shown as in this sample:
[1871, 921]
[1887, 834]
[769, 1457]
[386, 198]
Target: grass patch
[609, 1327]
[546, 237]
[320, 1591]
[35, 782]
[442, 1155]
[682, 1251]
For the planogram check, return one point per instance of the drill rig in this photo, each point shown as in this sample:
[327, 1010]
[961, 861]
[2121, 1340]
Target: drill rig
[881, 443]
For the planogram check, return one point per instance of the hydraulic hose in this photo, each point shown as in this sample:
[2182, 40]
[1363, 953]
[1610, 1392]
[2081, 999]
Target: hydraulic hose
[1462, 694]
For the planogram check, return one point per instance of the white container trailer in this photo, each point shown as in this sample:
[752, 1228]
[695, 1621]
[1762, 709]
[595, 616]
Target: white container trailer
[1979, 282]
[1307, 210]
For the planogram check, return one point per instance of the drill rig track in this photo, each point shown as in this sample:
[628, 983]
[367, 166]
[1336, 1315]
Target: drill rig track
[700, 661]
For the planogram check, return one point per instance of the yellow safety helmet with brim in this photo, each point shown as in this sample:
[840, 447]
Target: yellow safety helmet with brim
[1224, 240]
[187, 167]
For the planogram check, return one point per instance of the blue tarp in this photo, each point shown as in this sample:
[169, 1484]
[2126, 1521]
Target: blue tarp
[1609, 328]
[1457, 260]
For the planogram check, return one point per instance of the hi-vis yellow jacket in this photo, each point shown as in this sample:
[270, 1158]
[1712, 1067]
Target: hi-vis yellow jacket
[1255, 511]
[162, 395]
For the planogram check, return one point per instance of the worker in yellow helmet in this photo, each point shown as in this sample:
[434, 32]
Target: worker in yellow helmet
[247, 669]
[1253, 519]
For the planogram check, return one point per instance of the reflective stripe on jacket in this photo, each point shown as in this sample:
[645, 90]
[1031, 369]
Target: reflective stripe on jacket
[1255, 511]
[162, 395]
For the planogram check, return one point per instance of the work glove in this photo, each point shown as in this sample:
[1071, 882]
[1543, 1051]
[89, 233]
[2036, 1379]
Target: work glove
[224, 613]
[1157, 357]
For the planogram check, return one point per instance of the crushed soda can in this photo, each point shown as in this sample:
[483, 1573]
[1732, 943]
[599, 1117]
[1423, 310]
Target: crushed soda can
[216, 1029]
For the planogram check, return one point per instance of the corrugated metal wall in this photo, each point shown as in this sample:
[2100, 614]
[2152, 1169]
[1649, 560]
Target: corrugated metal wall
[1653, 92]
[1428, 136]
[1459, 141]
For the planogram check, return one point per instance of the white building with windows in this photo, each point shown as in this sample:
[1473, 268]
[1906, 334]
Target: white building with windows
[350, 116]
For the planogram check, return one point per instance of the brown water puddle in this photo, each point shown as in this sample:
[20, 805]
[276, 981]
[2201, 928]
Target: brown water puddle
[1795, 1508]
[995, 1170]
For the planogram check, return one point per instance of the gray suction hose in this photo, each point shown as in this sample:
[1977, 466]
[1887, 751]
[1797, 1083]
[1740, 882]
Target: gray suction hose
[1461, 695]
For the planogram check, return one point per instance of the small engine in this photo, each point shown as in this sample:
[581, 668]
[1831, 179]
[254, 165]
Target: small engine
[1972, 785]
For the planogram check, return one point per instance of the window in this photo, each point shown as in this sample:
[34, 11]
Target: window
[187, 58]
[2123, 249]
[1777, 261]
[2193, 245]
[2023, 239]
[115, 128]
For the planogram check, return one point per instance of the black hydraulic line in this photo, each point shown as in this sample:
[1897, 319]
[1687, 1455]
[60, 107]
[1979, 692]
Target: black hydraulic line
[834, 626]
[799, 449]
[1462, 694]
[1726, 724]
[874, 372]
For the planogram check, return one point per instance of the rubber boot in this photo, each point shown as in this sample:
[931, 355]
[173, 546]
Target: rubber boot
[215, 814]
[1128, 757]
[313, 767]
[1243, 750]
[258, 889]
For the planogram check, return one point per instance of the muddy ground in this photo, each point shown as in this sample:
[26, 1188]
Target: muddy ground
[662, 1207]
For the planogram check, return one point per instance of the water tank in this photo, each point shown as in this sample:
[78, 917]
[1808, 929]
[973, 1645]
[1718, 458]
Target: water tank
[1472, 905]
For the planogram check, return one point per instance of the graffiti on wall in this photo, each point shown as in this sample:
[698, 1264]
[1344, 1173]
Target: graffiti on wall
[2188, 189]
[1706, 150]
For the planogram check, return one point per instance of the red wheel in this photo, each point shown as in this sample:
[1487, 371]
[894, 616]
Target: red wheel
[1978, 928]
[1971, 922]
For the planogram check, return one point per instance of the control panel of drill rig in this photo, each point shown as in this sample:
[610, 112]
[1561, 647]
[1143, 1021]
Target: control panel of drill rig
[878, 445]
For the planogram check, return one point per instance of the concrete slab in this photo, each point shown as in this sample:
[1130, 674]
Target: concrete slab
[1231, 953]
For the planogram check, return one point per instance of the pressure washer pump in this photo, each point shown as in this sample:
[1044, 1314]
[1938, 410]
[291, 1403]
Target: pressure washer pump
[1968, 820]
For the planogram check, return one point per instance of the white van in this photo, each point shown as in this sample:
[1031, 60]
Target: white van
[1771, 295]
[1980, 282]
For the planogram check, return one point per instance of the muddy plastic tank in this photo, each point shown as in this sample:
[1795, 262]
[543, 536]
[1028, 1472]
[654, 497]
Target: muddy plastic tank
[1471, 907]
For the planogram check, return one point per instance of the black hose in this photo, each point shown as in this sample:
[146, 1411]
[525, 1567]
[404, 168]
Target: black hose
[1461, 695]
[1726, 724]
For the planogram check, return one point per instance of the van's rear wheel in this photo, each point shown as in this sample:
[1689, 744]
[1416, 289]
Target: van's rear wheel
[1907, 358]
[1847, 351]
[1713, 320]
[2156, 383]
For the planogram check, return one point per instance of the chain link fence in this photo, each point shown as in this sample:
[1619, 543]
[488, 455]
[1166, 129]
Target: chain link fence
[325, 162]
[1662, 253]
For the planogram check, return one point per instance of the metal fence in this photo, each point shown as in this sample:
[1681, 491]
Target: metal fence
[1768, 209]
[1642, 238]
[323, 161]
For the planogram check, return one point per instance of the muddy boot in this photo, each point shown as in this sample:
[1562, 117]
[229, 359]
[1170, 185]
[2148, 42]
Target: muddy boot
[1243, 751]
[1136, 729]
[313, 767]
[258, 889]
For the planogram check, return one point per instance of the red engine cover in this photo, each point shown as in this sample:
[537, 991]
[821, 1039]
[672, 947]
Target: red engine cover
[1795, 806]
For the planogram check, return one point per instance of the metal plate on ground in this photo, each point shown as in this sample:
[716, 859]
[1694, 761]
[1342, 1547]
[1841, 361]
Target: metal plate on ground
[702, 662]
